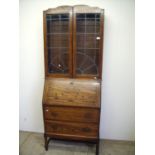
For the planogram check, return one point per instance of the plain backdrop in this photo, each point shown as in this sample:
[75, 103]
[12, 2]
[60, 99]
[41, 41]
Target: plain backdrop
[117, 111]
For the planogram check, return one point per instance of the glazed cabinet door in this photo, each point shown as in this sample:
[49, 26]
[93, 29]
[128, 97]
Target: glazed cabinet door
[88, 40]
[58, 42]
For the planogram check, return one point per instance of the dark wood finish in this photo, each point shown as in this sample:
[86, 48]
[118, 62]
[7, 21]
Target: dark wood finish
[71, 114]
[97, 147]
[72, 92]
[72, 128]
[46, 142]
[101, 43]
[72, 95]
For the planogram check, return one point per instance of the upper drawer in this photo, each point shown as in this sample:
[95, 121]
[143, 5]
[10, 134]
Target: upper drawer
[72, 114]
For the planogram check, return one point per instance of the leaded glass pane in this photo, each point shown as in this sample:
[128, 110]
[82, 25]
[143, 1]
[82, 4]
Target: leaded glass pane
[87, 43]
[58, 43]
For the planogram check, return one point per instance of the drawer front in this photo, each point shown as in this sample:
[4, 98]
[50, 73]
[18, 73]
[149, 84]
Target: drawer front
[72, 114]
[68, 128]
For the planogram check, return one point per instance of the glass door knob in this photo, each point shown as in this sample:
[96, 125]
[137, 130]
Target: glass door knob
[59, 65]
[97, 38]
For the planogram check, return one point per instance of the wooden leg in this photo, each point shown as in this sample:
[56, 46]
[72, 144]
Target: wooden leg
[46, 142]
[97, 148]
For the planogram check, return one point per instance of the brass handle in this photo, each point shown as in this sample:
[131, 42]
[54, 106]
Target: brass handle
[46, 110]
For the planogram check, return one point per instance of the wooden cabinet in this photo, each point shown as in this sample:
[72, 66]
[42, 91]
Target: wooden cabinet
[73, 44]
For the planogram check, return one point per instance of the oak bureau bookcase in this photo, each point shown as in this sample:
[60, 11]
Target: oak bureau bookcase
[73, 44]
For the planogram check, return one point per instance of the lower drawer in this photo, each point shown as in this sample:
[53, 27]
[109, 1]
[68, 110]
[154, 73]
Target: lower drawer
[70, 129]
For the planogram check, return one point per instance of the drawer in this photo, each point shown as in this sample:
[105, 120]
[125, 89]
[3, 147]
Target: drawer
[71, 129]
[72, 114]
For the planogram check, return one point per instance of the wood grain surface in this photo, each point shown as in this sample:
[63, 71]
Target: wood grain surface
[71, 114]
[73, 92]
[70, 128]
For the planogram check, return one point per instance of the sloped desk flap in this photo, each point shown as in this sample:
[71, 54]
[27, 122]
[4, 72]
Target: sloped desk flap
[72, 92]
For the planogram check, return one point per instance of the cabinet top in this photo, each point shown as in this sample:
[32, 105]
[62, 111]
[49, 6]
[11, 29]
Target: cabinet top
[77, 9]
[72, 92]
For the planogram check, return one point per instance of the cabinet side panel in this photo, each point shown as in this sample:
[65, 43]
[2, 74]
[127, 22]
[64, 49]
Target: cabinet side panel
[45, 44]
[101, 44]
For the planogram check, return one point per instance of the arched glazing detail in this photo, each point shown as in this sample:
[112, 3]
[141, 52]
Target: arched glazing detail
[87, 43]
[58, 43]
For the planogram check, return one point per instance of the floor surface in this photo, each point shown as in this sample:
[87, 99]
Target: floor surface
[33, 144]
